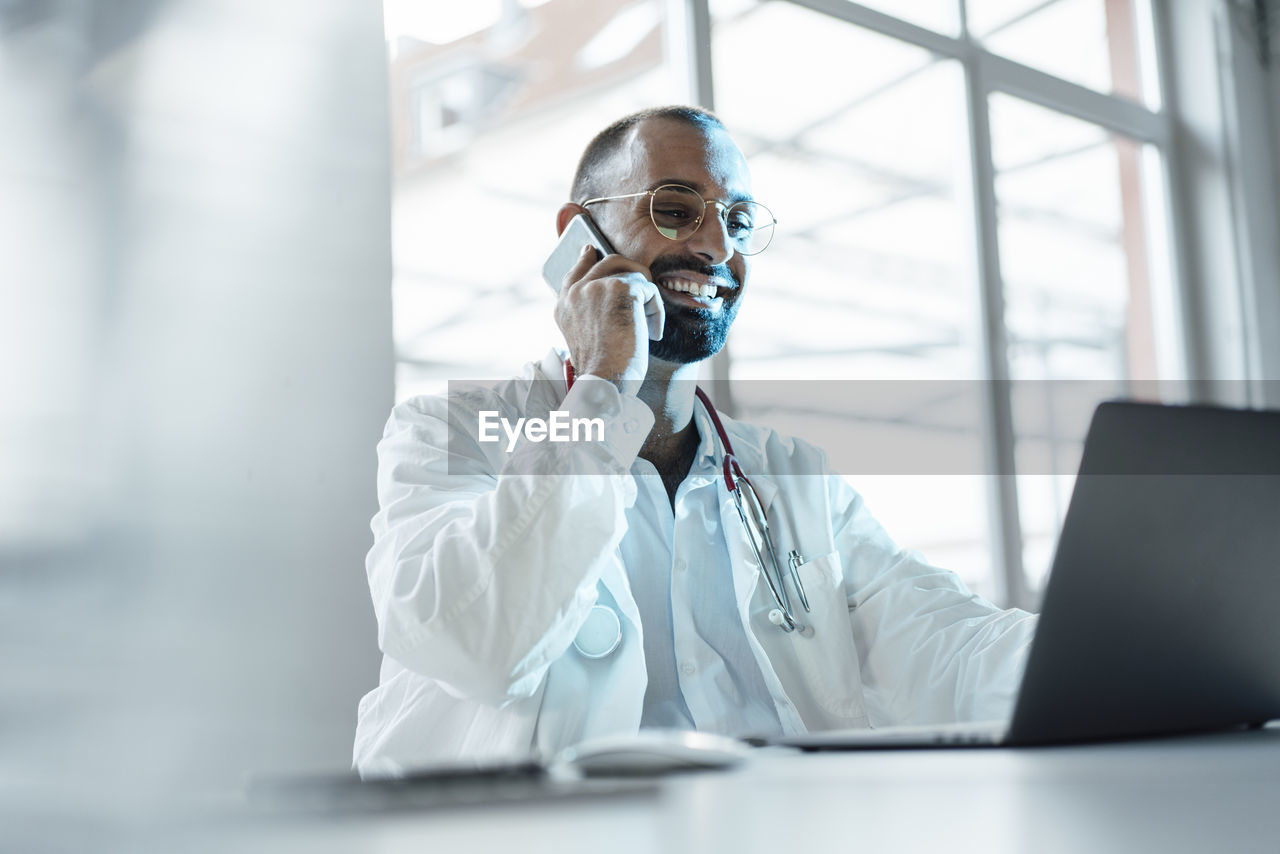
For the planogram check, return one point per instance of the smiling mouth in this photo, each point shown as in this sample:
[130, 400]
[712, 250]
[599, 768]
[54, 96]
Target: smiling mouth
[702, 291]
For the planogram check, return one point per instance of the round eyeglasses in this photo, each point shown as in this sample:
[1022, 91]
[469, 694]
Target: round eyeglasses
[677, 212]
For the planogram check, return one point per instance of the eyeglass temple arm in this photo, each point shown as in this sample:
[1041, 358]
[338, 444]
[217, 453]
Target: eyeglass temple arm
[615, 198]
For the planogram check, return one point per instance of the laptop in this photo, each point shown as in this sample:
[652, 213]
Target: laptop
[1162, 612]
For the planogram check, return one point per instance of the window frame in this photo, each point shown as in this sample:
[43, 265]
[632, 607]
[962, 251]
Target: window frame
[986, 73]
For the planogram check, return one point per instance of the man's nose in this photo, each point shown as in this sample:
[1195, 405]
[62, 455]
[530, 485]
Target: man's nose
[712, 240]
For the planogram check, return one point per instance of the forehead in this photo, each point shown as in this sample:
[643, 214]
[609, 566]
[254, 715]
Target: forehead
[660, 150]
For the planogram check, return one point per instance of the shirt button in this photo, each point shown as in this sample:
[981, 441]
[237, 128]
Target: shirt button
[688, 669]
[630, 425]
[681, 566]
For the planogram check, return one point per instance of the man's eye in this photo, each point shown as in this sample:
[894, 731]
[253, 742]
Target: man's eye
[675, 213]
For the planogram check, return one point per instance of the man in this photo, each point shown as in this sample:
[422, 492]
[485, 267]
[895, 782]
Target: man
[535, 597]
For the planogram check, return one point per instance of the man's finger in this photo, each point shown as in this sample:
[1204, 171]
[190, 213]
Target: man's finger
[647, 289]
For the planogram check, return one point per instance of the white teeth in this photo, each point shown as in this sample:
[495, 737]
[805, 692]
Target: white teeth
[706, 291]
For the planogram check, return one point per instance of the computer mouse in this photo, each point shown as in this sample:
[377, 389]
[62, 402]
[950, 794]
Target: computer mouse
[652, 752]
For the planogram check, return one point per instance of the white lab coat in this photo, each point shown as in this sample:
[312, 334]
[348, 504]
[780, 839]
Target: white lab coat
[485, 564]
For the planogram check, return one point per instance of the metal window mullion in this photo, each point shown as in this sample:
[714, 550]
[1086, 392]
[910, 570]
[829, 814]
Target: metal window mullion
[1189, 328]
[1006, 75]
[1109, 111]
[1241, 204]
[887, 25]
[688, 49]
[999, 439]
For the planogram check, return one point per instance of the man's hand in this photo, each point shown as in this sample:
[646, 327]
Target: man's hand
[600, 310]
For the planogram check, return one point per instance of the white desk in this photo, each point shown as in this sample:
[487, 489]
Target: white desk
[1203, 794]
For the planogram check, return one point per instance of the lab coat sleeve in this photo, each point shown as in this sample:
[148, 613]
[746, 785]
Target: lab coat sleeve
[484, 564]
[929, 650]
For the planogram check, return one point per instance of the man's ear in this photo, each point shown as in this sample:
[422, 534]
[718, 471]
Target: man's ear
[567, 212]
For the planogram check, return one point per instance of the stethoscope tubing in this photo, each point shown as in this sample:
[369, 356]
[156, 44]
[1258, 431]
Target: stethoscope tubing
[744, 493]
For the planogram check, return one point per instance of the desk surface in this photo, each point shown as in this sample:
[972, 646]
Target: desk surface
[1194, 794]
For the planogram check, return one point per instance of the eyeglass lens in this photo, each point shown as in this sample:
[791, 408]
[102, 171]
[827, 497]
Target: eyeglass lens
[677, 212]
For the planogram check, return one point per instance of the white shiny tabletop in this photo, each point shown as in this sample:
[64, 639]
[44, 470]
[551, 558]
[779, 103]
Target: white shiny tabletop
[1193, 794]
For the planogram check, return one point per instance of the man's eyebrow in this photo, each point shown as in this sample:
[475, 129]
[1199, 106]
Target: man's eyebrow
[699, 188]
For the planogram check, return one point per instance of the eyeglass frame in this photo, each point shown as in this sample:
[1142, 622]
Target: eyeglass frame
[701, 218]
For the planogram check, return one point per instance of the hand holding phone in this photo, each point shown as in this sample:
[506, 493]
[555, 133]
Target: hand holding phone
[580, 232]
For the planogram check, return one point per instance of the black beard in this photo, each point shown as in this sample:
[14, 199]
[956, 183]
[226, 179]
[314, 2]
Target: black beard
[693, 334]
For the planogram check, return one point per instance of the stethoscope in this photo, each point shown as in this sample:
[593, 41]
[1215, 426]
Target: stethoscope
[756, 523]
[602, 631]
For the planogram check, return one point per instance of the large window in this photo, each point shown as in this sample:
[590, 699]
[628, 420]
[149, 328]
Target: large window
[971, 196]
[491, 106]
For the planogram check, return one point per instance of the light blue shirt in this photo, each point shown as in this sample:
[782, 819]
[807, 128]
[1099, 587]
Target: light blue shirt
[702, 673]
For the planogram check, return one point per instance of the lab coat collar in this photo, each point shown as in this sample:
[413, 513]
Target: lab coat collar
[708, 452]
[746, 449]
[750, 457]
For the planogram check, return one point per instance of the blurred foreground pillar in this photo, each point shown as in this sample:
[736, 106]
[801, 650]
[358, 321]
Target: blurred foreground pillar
[195, 341]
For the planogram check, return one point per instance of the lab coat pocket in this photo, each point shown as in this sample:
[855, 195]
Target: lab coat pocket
[819, 666]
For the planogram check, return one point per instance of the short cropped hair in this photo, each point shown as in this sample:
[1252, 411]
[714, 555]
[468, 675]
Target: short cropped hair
[607, 143]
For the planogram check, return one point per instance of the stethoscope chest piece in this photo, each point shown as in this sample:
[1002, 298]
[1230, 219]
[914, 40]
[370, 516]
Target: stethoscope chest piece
[600, 634]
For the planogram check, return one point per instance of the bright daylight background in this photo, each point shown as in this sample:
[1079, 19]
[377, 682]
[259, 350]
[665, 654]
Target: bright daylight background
[859, 138]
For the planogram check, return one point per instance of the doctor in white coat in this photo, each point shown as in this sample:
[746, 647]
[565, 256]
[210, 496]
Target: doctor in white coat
[532, 594]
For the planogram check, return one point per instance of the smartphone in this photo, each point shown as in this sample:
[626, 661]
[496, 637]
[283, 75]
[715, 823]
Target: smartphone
[581, 231]
[578, 233]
